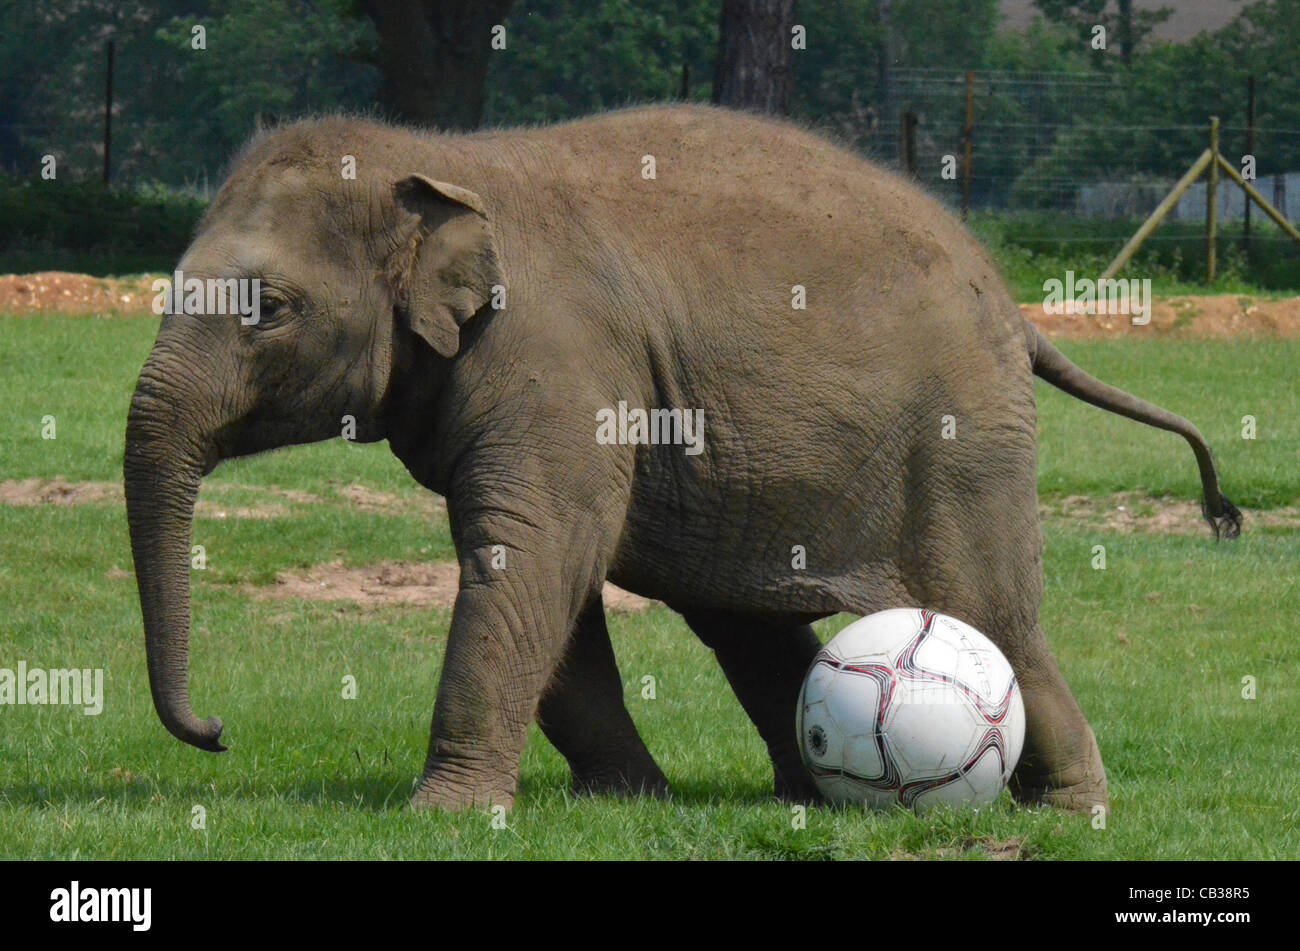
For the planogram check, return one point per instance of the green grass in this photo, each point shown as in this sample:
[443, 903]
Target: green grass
[1155, 647]
[1031, 247]
[1212, 383]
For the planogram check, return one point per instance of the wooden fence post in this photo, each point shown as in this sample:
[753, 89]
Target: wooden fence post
[1253, 194]
[1211, 202]
[967, 132]
[907, 144]
[1158, 215]
[1215, 162]
[1250, 150]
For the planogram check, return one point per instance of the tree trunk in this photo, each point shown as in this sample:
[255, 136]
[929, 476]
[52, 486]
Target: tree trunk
[1126, 33]
[754, 50]
[434, 57]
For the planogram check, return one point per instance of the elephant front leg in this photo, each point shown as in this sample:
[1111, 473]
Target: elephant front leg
[526, 571]
[765, 664]
[583, 714]
[505, 639]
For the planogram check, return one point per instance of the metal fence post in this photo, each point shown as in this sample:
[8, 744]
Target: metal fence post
[108, 114]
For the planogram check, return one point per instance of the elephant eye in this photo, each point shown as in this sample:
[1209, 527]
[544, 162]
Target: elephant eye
[270, 308]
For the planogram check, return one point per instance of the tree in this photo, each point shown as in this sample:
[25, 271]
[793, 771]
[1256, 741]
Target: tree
[1129, 27]
[434, 57]
[574, 57]
[264, 59]
[754, 48]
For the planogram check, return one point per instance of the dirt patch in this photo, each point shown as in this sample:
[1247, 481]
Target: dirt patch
[66, 293]
[57, 491]
[387, 503]
[1222, 315]
[1122, 512]
[1128, 512]
[206, 508]
[1012, 849]
[422, 584]
[60, 491]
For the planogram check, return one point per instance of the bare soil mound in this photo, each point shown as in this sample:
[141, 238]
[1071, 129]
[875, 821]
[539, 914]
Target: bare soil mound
[67, 293]
[1222, 315]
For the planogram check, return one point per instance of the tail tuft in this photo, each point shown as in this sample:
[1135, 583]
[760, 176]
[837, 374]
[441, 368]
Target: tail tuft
[1226, 522]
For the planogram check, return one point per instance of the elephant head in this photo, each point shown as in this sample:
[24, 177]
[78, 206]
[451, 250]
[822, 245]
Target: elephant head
[357, 280]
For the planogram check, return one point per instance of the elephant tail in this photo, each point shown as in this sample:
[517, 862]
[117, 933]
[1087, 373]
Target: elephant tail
[1054, 367]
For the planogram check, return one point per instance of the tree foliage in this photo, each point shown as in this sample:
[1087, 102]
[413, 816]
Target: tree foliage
[570, 57]
[1126, 28]
[180, 112]
[1156, 116]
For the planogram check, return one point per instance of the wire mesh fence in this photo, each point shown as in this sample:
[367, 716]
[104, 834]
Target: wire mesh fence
[1049, 155]
[1053, 142]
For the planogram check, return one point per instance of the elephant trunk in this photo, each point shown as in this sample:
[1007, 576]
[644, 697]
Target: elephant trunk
[166, 456]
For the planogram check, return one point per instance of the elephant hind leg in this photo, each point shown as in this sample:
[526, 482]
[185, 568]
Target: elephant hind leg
[583, 714]
[766, 662]
[1061, 762]
[976, 555]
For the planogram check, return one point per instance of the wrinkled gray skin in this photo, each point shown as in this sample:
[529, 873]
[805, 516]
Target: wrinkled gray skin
[822, 426]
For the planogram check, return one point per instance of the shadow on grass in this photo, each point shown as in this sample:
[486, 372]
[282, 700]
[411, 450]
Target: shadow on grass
[388, 790]
[375, 794]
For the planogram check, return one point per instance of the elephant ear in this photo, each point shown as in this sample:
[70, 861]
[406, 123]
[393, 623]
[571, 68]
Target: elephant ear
[444, 269]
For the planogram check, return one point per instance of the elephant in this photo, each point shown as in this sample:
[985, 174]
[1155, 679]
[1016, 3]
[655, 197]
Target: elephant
[489, 303]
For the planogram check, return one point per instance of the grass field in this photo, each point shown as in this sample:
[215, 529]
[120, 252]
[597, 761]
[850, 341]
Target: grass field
[1155, 646]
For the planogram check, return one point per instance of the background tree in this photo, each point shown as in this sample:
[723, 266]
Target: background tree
[1126, 27]
[434, 57]
[574, 57]
[839, 83]
[754, 49]
[264, 59]
[181, 112]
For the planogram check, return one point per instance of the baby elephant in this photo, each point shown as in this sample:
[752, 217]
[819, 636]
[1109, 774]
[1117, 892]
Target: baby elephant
[712, 358]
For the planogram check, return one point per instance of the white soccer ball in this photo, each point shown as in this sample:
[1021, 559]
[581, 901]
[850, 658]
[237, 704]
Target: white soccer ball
[910, 707]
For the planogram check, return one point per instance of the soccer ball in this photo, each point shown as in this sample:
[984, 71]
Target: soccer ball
[910, 707]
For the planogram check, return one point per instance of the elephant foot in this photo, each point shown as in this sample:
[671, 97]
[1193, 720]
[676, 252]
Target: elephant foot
[455, 789]
[1079, 787]
[641, 779]
[792, 781]
[456, 801]
[1081, 797]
